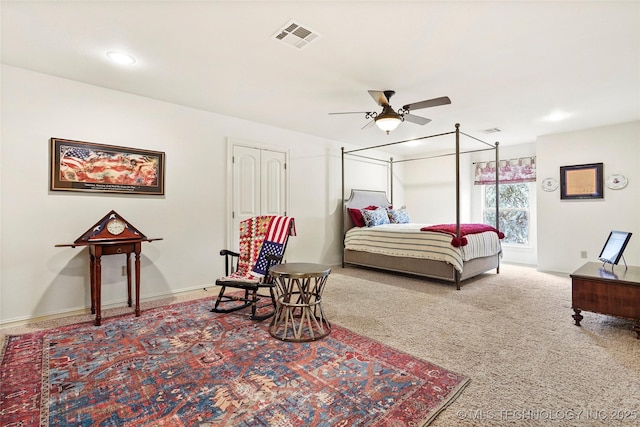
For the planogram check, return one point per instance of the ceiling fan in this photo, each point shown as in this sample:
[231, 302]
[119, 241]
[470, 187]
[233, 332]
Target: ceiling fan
[388, 119]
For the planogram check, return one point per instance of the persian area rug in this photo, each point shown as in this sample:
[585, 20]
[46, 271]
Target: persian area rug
[182, 365]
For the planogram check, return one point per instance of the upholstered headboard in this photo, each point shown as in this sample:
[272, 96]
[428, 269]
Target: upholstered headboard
[361, 199]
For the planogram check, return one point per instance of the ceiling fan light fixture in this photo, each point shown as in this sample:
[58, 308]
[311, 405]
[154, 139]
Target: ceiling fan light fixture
[387, 124]
[388, 120]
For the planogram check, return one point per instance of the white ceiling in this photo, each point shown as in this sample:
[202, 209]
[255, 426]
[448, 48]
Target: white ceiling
[504, 64]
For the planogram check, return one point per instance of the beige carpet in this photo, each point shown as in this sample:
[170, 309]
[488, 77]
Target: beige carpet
[511, 333]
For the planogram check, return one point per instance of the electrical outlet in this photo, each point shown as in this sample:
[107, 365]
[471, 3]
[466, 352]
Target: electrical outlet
[124, 269]
[583, 254]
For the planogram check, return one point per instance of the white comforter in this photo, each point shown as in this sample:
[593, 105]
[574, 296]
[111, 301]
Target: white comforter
[406, 240]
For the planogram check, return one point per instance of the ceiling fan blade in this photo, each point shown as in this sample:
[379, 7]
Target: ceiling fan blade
[380, 97]
[368, 125]
[416, 119]
[443, 100]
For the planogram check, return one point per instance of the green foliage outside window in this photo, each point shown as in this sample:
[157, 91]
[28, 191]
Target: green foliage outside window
[514, 211]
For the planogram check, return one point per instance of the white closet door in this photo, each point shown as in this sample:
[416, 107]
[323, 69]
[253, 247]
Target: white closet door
[259, 185]
[246, 182]
[273, 183]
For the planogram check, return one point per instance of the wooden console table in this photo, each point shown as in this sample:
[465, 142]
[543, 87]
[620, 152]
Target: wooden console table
[112, 235]
[116, 247]
[119, 247]
[603, 290]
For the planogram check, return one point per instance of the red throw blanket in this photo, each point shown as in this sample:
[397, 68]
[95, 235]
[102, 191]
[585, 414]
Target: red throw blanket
[464, 230]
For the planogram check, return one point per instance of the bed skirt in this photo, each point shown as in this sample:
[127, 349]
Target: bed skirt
[423, 267]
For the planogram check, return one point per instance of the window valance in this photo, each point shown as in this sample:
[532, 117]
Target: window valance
[510, 171]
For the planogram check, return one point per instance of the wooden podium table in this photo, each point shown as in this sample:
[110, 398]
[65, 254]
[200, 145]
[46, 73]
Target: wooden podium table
[605, 291]
[117, 247]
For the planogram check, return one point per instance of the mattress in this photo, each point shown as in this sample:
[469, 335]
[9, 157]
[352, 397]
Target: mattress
[406, 240]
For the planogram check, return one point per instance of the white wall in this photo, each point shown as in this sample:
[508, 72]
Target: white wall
[431, 196]
[39, 279]
[430, 190]
[430, 181]
[567, 227]
[564, 228]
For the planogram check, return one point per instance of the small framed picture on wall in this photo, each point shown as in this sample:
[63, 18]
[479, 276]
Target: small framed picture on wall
[581, 181]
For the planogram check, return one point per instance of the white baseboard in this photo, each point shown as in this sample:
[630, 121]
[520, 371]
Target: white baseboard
[77, 311]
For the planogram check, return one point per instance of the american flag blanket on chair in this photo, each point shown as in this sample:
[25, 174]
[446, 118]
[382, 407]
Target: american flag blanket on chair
[259, 237]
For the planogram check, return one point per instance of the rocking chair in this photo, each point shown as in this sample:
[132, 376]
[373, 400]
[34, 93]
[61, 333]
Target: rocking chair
[263, 240]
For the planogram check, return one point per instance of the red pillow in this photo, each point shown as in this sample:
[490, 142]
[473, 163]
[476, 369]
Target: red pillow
[356, 215]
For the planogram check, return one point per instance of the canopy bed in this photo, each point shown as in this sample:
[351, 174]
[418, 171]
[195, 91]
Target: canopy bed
[451, 252]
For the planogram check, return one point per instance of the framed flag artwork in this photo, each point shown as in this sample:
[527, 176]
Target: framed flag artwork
[90, 167]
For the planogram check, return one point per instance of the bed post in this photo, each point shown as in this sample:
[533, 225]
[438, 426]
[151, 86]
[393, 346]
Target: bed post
[498, 196]
[458, 181]
[391, 179]
[497, 186]
[457, 273]
[342, 205]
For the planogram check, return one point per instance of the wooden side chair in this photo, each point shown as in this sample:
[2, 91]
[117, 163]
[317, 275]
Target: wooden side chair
[263, 241]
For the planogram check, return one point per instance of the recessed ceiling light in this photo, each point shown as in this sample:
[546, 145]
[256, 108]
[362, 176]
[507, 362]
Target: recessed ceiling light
[121, 58]
[556, 116]
[412, 143]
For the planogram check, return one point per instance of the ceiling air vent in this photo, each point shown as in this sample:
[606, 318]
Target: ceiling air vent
[491, 130]
[296, 35]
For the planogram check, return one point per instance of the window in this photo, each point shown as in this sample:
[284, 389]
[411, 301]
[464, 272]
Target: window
[514, 211]
[516, 177]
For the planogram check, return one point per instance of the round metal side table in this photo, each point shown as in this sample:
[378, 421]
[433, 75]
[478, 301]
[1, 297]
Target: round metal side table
[299, 316]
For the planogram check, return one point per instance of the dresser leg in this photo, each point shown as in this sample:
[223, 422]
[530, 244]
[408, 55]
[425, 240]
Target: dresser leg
[636, 328]
[577, 317]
